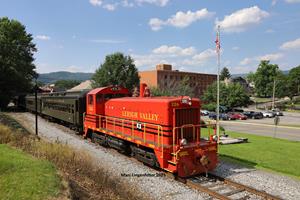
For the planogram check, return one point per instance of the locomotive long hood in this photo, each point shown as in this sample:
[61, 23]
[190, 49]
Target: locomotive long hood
[148, 109]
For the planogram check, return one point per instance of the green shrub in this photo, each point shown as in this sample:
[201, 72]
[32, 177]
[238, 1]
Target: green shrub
[209, 107]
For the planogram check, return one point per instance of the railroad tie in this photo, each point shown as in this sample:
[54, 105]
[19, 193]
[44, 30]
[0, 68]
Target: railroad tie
[233, 192]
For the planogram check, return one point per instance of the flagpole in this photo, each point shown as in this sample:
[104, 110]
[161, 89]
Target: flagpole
[218, 85]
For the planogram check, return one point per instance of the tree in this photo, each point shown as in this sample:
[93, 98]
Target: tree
[160, 92]
[16, 60]
[232, 95]
[294, 81]
[281, 85]
[224, 74]
[66, 84]
[183, 88]
[117, 69]
[250, 77]
[264, 78]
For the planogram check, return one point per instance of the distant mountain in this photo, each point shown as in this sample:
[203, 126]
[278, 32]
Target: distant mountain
[63, 75]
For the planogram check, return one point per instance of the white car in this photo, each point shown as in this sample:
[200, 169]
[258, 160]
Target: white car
[277, 112]
[204, 112]
[268, 114]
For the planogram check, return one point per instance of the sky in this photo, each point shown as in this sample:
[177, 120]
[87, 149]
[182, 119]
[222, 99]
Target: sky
[76, 35]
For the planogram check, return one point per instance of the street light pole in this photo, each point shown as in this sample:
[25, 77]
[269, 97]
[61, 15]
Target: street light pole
[36, 108]
[273, 100]
[218, 84]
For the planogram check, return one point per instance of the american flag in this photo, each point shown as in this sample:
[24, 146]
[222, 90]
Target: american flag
[218, 45]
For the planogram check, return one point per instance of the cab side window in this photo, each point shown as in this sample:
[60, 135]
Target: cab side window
[99, 98]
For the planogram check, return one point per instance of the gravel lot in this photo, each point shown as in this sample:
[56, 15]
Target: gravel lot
[159, 187]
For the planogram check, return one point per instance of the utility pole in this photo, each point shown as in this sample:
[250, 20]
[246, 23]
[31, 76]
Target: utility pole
[36, 108]
[273, 101]
[218, 83]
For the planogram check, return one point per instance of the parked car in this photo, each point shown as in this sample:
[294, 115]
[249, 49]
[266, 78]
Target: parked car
[253, 115]
[232, 116]
[204, 112]
[235, 115]
[223, 116]
[268, 114]
[277, 112]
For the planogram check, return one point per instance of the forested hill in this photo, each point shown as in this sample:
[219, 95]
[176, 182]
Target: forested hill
[63, 75]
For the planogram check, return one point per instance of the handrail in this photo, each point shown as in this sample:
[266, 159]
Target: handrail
[195, 127]
[122, 121]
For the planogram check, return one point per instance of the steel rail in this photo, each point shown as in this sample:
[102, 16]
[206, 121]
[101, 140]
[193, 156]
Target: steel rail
[238, 188]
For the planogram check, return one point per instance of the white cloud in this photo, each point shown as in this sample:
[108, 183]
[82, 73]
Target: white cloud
[42, 37]
[242, 19]
[156, 24]
[180, 19]
[246, 61]
[271, 57]
[294, 44]
[201, 58]
[73, 68]
[161, 3]
[107, 41]
[127, 4]
[269, 31]
[150, 60]
[235, 48]
[174, 50]
[292, 1]
[96, 2]
[110, 7]
[274, 2]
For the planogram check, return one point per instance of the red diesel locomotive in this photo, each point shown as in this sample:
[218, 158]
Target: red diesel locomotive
[162, 132]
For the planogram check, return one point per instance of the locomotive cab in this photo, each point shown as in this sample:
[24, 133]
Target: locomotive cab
[95, 105]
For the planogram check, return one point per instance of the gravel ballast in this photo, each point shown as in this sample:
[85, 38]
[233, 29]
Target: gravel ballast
[150, 183]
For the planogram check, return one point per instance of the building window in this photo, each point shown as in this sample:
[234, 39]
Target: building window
[166, 76]
[171, 76]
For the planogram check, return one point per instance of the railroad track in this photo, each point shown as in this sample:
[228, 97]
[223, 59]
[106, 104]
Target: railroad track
[224, 189]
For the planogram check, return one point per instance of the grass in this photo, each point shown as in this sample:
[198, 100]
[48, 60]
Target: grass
[86, 180]
[263, 152]
[25, 177]
[262, 100]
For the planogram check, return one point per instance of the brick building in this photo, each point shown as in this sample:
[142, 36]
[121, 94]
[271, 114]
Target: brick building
[164, 77]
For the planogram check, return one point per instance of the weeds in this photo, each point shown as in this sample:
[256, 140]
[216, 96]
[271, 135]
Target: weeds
[86, 180]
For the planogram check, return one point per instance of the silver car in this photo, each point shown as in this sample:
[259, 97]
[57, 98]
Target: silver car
[268, 114]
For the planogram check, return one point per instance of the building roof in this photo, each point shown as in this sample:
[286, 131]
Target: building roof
[86, 85]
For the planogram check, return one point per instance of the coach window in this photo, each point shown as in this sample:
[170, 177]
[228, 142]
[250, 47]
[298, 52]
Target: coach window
[90, 99]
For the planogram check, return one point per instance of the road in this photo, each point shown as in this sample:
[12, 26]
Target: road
[289, 126]
[289, 133]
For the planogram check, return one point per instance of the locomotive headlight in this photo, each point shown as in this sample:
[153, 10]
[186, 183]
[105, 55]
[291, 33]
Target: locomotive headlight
[183, 142]
[215, 138]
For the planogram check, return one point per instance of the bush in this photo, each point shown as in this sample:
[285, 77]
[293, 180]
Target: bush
[210, 107]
